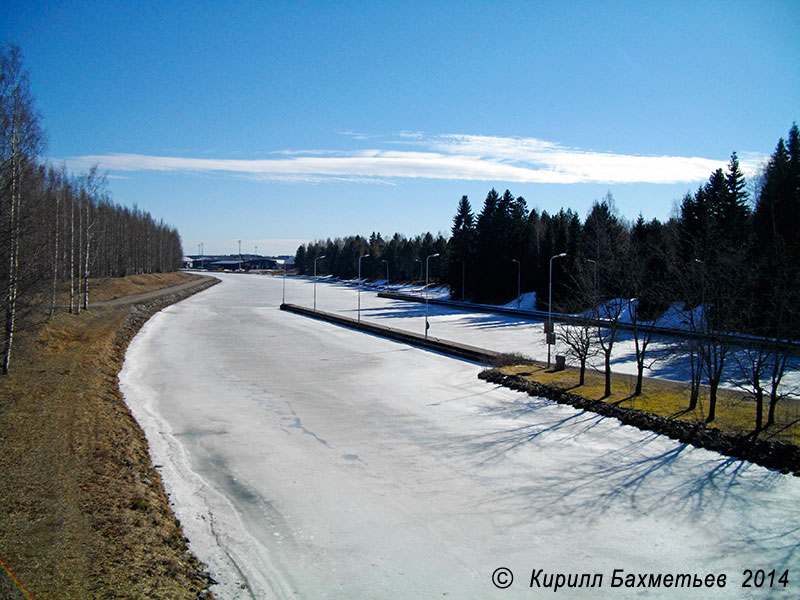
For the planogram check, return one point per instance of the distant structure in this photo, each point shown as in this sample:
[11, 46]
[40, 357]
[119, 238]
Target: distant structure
[235, 262]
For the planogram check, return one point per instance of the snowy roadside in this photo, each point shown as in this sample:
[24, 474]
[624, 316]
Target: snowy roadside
[514, 334]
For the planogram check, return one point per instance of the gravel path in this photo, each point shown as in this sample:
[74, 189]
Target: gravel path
[148, 296]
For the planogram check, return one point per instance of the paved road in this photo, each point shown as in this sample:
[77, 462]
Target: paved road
[509, 333]
[307, 460]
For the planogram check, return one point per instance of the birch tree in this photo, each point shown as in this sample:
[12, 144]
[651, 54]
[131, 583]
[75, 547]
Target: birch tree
[21, 140]
[72, 255]
[93, 185]
[58, 181]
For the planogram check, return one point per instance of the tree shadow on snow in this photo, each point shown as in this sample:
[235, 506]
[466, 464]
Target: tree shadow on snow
[586, 465]
[406, 310]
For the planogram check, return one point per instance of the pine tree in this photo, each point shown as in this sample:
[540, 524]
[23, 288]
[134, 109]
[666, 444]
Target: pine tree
[776, 252]
[732, 212]
[487, 254]
[464, 219]
[461, 249]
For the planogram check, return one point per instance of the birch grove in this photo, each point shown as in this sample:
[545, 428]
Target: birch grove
[58, 231]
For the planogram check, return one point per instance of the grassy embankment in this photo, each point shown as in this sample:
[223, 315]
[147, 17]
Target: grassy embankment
[735, 412]
[83, 513]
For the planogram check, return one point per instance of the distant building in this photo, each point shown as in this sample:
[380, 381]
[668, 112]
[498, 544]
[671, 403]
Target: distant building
[226, 265]
[246, 262]
[261, 263]
[200, 262]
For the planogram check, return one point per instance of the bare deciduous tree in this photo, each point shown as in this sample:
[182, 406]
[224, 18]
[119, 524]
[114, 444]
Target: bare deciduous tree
[21, 141]
[578, 339]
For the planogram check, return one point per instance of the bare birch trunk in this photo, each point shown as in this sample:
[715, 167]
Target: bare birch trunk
[13, 267]
[72, 256]
[80, 249]
[86, 256]
[55, 252]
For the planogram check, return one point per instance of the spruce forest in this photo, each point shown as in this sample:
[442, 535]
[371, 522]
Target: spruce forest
[58, 230]
[728, 262]
[734, 241]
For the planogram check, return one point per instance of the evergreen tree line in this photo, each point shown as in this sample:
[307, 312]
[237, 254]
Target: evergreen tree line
[58, 230]
[728, 262]
[403, 257]
[737, 252]
[731, 243]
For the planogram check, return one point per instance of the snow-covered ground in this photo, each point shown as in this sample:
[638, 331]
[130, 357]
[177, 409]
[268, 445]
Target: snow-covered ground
[307, 460]
[505, 333]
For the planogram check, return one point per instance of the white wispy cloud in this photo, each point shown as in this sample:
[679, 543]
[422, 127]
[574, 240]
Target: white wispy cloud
[447, 157]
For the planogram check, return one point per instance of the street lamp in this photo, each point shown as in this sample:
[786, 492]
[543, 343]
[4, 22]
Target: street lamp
[387, 271]
[418, 260]
[283, 301]
[594, 262]
[427, 264]
[240, 255]
[359, 285]
[519, 277]
[702, 295]
[550, 307]
[463, 278]
[315, 279]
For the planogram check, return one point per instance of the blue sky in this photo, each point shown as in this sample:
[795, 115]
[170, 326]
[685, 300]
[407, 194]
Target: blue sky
[277, 123]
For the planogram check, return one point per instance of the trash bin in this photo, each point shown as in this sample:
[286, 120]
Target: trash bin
[561, 362]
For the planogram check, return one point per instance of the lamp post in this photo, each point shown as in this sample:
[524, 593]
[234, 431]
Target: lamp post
[387, 271]
[419, 260]
[463, 278]
[594, 262]
[315, 280]
[359, 285]
[519, 278]
[702, 295]
[550, 306]
[283, 301]
[427, 265]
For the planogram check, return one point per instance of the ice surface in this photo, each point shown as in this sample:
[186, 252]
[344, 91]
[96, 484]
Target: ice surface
[307, 460]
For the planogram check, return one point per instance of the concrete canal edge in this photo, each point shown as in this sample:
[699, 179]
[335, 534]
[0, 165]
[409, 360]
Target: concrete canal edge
[471, 353]
[773, 455]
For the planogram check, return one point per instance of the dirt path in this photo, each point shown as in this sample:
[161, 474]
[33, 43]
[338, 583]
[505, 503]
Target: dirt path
[145, 297]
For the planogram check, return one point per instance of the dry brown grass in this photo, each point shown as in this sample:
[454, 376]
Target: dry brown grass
[83, 513]
[109, 288]
[735, 410]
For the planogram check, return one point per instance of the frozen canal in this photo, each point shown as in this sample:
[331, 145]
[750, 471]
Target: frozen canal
[306, 460]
